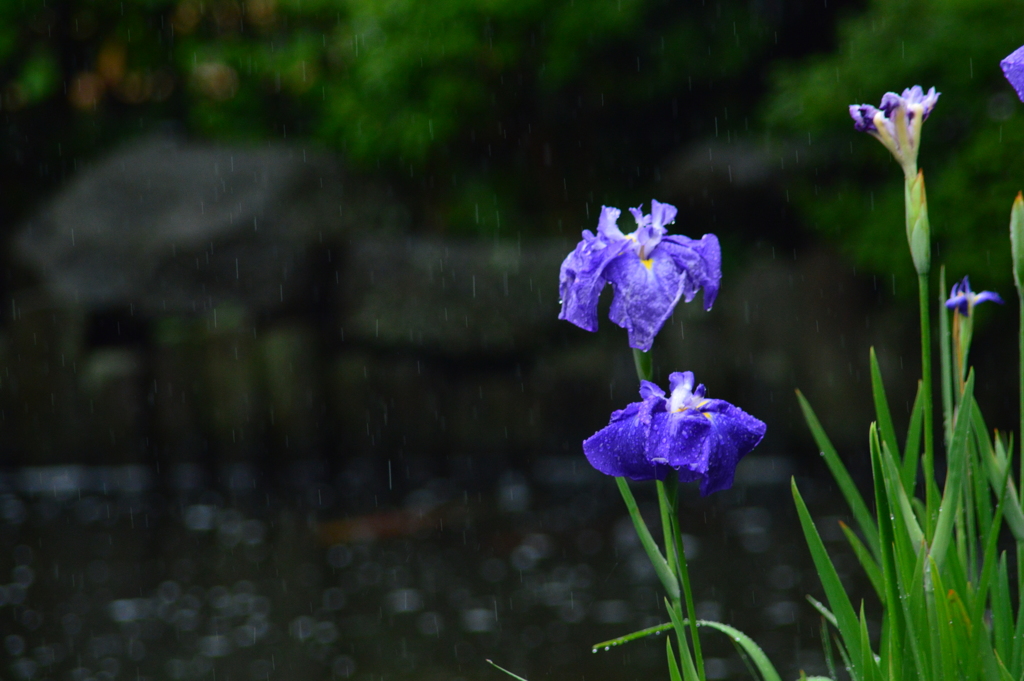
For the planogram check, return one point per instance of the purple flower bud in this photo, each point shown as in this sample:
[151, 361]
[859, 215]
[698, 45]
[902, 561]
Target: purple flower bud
[896, 123]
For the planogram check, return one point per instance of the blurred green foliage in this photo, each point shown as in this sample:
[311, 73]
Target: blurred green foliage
[520, 113]
[972, 144]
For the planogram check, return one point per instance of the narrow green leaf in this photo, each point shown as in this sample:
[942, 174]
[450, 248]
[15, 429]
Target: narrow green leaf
[839, 601]
[869, 664]
[749, 647]
[1017, 658]
[913, 601]
[643, 633]
[1004, 673]
[945, 360]
[865, 522]
[1002, 618]
[979, 482]
[912, 450]
[845, 654]
[906, 509]
[760, 660]
[826, 645]
[679, 624]
[955, 474]
[997, 465]
[824, 611]
[675, 539]
[943, 623]
[666, 507]
[502, 669]
[867, 562]
[988, 563]
[673, 666]
[884, 417]
[661, 568]
[889, 525]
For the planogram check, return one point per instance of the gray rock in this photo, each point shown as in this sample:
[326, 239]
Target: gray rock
[172, 227]
[454, 297]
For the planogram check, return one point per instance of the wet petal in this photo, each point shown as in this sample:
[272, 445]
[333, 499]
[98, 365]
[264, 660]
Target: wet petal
[618, 448]
[646, 292]
[680, 440]
[701, 261]
[662, 213]
[606, 224]
[733, 434]
[1013, 69]
[582, 278]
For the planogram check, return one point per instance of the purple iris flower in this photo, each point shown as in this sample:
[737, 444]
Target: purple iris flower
[896, 123]
[649, 270]
[963, 299]
[699, 438]
[1013, 69]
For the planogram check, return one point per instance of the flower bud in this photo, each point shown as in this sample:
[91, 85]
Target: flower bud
[918, 229]
[1017, 241]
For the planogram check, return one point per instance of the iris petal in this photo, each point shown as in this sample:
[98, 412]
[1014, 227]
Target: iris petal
[582, 278]
[733, 434]
[646, 292]
[618, 448]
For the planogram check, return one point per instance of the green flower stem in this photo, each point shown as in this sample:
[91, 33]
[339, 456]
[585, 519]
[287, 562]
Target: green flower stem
[684, 578]
[642, 361]
[919, 240]
[666, 505]
[931, 489]
[945, 361]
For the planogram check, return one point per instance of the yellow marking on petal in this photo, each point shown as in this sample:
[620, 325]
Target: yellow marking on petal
[648, 263]
[707, 415]
[702, 403]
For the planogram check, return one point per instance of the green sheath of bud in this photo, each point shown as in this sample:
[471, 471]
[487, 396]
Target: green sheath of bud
[1017, 241]
[918, 230]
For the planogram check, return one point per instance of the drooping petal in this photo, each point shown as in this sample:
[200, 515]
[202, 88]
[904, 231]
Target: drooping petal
[732, 435]
[582, 278]
[645, 293]
[988, 297]
[1013, 69]
[700, 260]
[863, 116]
[959, 303]
[618, 448]
[680, 440]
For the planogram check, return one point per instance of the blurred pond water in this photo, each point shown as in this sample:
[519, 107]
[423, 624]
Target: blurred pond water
[106, 576]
